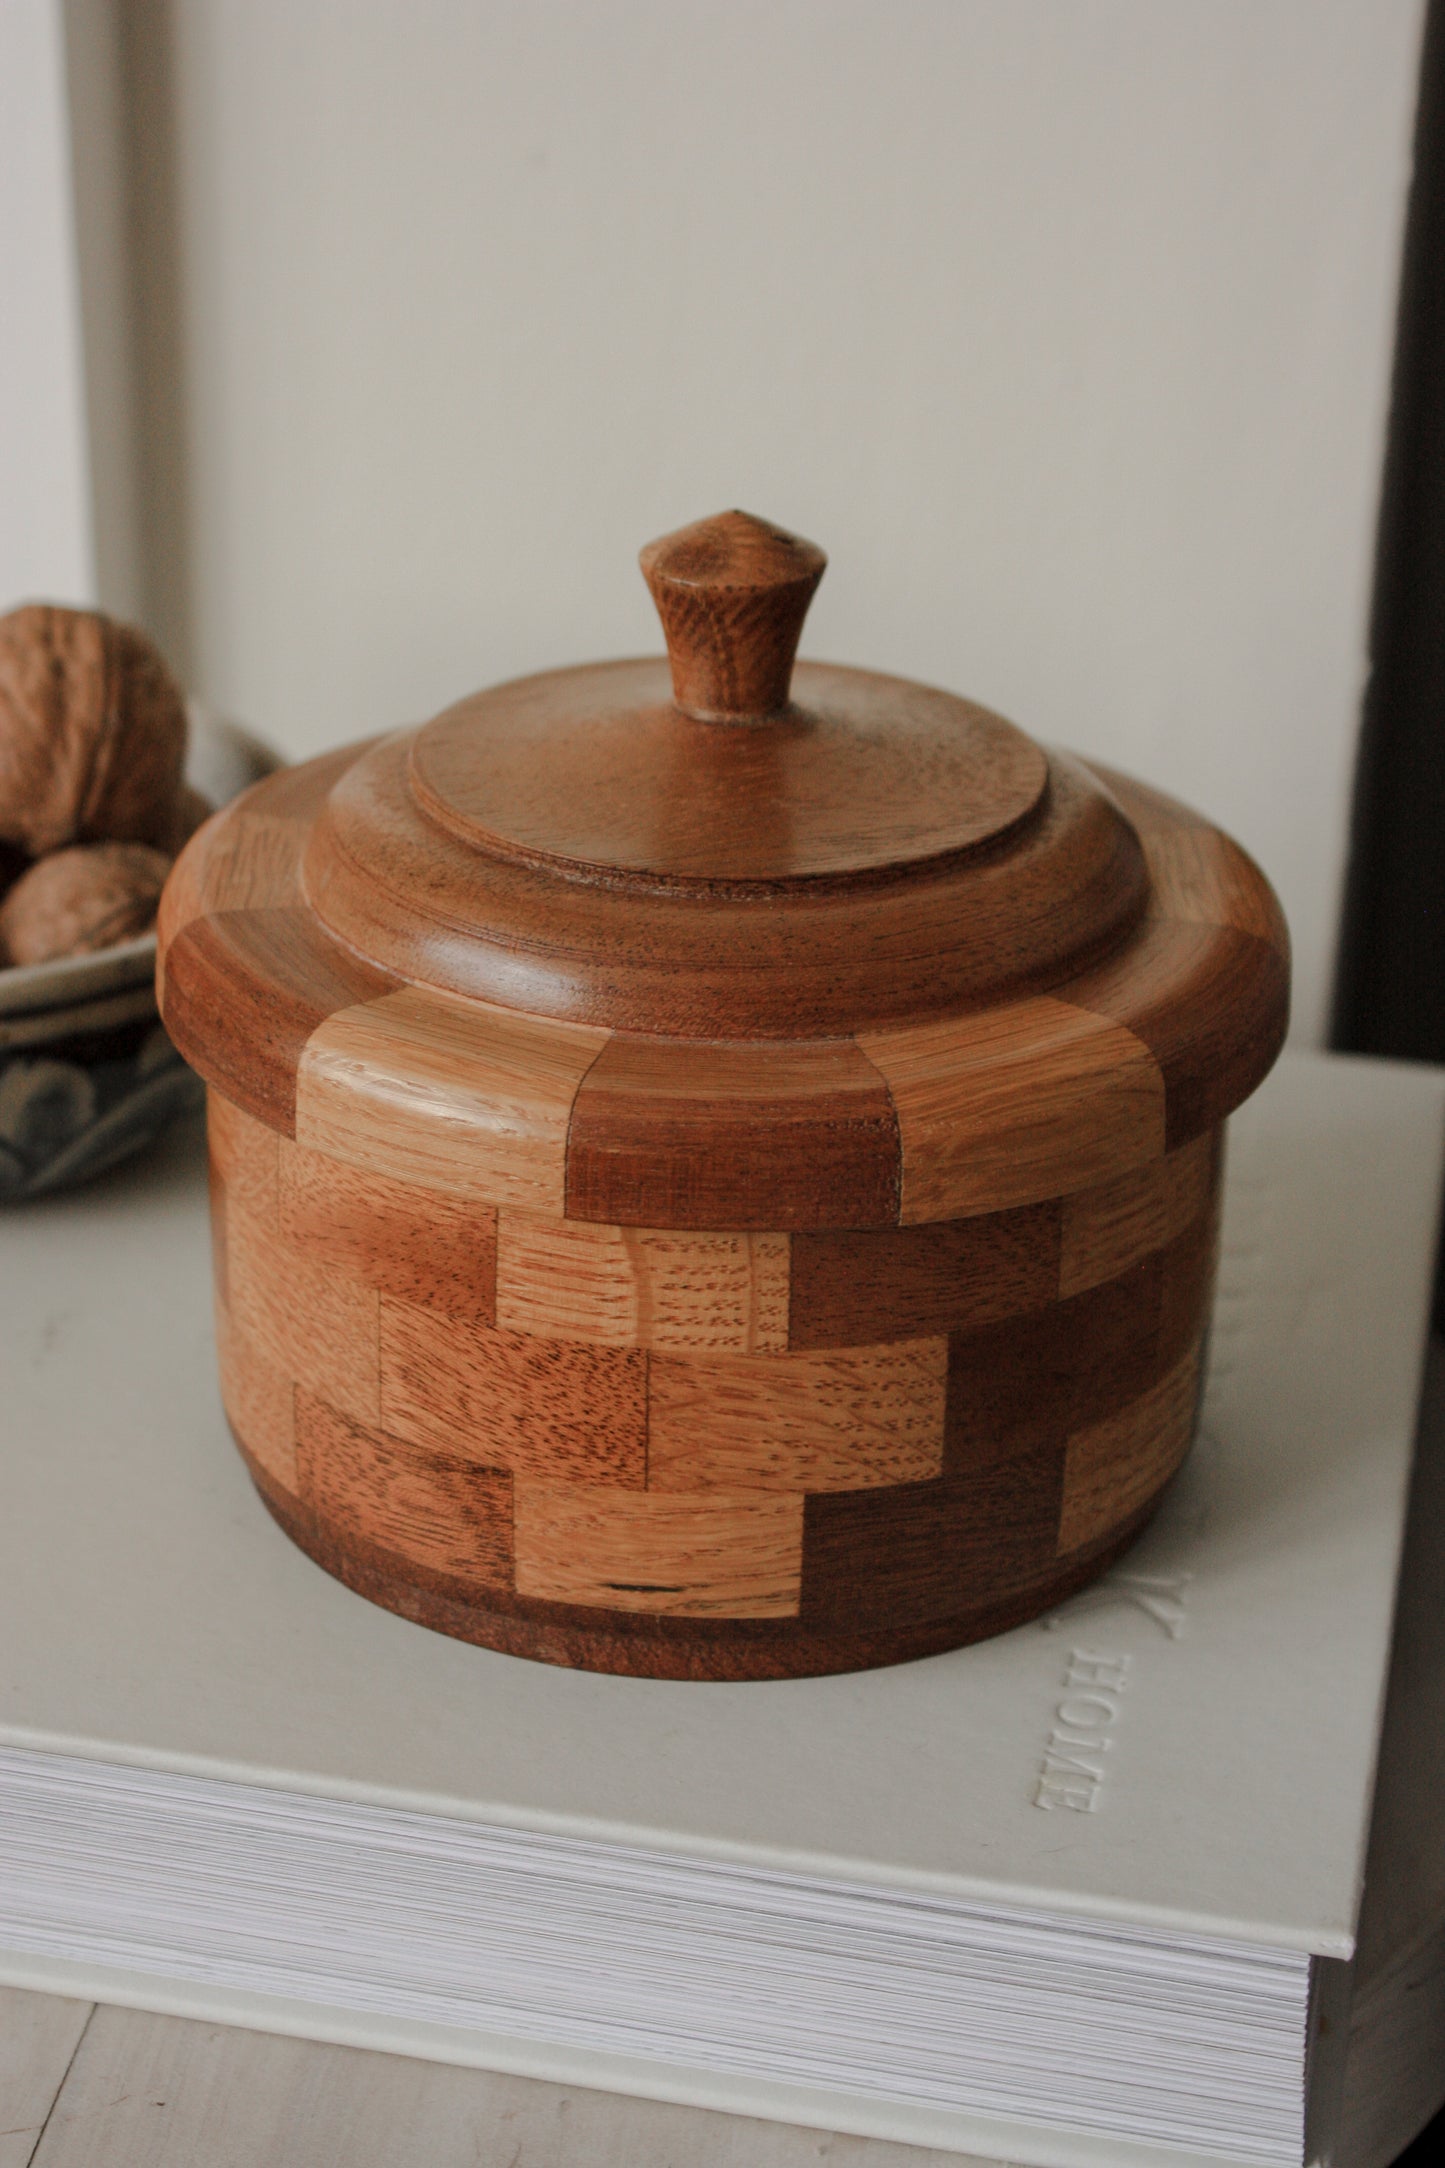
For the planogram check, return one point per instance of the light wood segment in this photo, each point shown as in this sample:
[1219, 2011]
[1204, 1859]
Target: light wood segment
[548, 1408]
[452, 1094]
[857, 1419]
[307, 1321]
[252, 864]
[153, 2091]
[1113, 1467]
[714, 1556]
[259, 1399]
[440, 1509]
[422, 1245]
[245, 1155]
[1016, 1104]
[39, 2035]
[1209, 1002]
[642, 1287]
[1106, 1230]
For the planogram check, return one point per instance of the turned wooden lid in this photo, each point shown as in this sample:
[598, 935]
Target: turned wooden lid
[722, 841]
[724, 845]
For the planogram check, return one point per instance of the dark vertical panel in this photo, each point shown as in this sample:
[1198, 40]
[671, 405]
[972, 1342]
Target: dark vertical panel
[1390, 988]
[1390, 996]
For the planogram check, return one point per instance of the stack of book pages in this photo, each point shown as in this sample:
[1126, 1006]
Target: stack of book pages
[1088, 1892]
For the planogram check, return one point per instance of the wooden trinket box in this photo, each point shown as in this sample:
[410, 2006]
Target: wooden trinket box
[715, 1173]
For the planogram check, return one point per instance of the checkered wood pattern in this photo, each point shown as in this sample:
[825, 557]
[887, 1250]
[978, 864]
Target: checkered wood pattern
[713, 1360]
[513, 1413]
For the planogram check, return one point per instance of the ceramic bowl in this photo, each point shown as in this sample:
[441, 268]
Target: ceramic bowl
[87, 1074]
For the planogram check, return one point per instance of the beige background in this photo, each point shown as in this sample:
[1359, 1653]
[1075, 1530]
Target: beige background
[1063, 324]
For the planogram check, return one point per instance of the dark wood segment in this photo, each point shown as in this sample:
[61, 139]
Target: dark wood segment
[1210, 1003]
[273, 976]
[553, 1409]
[1038, 1378]
[1188, 1266]
[425, 1246]
[251, 859]
[926, 1551]
[439, 1509]
[667, 1133]
[1197, 873]
[850, 1289]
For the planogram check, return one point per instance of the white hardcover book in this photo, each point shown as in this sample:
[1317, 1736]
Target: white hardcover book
[1087, 1892]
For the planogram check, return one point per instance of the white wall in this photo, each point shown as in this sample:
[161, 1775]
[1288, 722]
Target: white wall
[1064, 325]
[46, 536]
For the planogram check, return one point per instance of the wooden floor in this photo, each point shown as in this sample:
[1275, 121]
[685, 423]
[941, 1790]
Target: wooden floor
[85, 2085]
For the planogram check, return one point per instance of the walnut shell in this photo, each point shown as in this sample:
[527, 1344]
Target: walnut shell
[92, 731]
[81, 899]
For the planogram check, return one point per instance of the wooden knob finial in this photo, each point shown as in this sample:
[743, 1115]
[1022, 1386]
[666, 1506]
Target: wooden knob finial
[732, 593]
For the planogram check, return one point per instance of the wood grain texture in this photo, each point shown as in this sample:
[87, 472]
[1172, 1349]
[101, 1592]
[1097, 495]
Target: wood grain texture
[852, 1289]
[1211, 1004]
[258, 1398]
[1104, 1231]
[439, 1509]
[1113, 1466]
[549, 1408]
[246, 1157]
[148, 2090]
[1197, 873]
[641, 1644]
[273, 976]
[667, 1134]
[1039, 1377]
[724, 1555]
[429, 896]
[953, 1549]
[732, 593]
[1015, 1105]
[707, 1081]
[250, 861]
[39, 2036]
[307, 1322]
[850, 1420]
[425, 1246]
[642, 1287]
[449, 1094]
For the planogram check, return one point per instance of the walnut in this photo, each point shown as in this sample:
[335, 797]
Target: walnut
[81, 899]
[92, 731]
